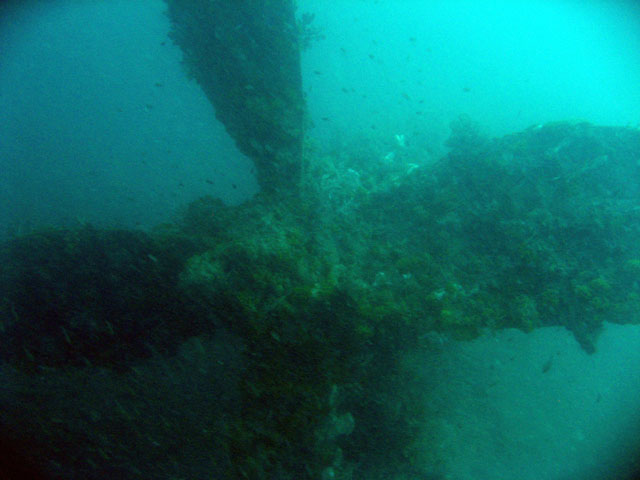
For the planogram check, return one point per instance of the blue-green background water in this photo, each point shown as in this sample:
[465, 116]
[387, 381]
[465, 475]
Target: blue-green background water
[507, 64]
[99, 124]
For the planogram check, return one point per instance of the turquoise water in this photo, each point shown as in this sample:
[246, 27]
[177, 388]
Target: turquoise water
[101, 125]
[513, 405]
[413, 66]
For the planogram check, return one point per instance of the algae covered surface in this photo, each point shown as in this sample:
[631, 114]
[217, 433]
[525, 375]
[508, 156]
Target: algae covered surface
[245, 56]
[270, 340]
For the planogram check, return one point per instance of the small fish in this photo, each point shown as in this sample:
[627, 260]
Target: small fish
[406, 96]
[209, 181]
[326, 119]
[317, 72]
[466, 89]
[372, 56]
[547, 365]
[345, 90]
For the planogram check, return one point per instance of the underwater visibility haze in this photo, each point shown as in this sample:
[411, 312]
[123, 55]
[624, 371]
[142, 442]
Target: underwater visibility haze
[357, 239]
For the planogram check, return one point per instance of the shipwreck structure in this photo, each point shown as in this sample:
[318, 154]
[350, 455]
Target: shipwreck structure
[273, 339]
